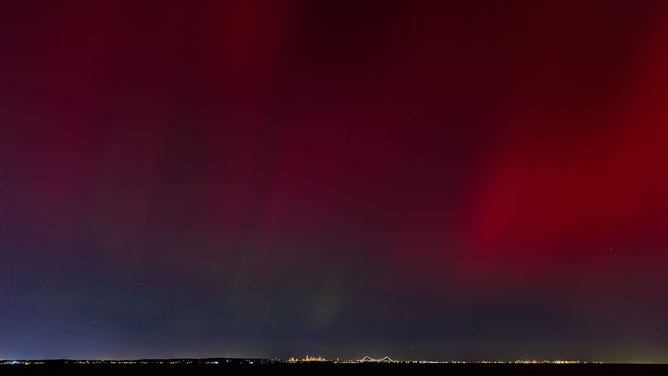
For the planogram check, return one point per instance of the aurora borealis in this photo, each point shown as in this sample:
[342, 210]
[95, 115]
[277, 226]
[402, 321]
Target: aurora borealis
[418, 179]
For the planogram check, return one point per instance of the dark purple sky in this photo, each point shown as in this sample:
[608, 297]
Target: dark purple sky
[418, 179]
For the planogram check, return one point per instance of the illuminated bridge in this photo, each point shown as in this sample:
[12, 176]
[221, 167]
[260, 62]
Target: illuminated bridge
[372, 360]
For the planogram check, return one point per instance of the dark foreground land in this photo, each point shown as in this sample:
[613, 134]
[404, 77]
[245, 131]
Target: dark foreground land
[273, 368]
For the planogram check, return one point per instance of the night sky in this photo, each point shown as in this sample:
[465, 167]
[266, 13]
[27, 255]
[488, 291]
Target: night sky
[340, 178]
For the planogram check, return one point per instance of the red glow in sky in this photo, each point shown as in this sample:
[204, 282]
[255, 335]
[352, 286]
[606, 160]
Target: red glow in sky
[270, 177]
